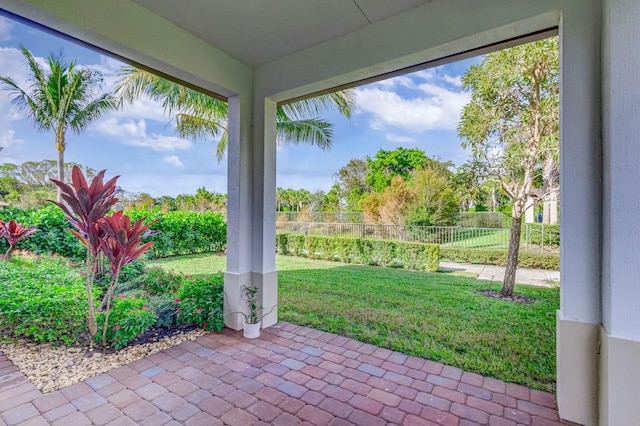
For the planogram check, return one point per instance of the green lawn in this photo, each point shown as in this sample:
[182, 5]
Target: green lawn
[491, 239]
[437, 316]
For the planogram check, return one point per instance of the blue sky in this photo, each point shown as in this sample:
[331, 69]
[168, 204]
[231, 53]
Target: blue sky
[419, 110]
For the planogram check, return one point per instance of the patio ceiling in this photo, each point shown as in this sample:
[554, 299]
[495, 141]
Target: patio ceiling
[260, 32]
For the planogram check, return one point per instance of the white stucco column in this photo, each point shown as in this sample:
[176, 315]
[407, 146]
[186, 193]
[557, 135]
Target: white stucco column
[251, 209]
[263, 247]
[620, 337]
[579, 315]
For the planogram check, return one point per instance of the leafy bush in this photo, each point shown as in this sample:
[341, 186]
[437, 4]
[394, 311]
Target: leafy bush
[200, 302]
[128, 318]
[165, 308]
[43, 299]
[184, 232]
[131, 271]
[548, 235]
[499, 258]
[156, 281]
[53, 234]
[384, 253]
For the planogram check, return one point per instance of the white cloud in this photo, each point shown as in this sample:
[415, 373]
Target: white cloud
[134, 133]
[426, 75]
[122, 128]
[400, 81]
[435, 108]
[455, 80]
[6, 25]
[159, 143]
[174, 160]
[399, 139]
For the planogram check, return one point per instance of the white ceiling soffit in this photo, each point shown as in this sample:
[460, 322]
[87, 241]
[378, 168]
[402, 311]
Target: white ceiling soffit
[259, 31]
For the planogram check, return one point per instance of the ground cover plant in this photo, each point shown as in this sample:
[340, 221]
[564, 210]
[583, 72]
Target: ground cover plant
[438, 316]
[43, 299]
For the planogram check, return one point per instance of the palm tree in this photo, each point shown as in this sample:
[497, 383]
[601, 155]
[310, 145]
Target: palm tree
[200, 116]
[60, 98]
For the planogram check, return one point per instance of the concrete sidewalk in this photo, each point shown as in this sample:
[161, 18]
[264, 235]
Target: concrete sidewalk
[534, 277]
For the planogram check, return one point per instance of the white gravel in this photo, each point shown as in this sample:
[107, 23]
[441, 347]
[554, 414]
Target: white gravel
[51, 368]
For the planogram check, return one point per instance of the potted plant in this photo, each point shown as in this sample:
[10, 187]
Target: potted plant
[253, 320]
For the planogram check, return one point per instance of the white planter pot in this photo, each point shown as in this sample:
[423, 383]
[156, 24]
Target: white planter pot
[251, 331]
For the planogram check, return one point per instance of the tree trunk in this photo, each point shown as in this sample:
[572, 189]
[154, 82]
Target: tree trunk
[60, 145]
[512, 257]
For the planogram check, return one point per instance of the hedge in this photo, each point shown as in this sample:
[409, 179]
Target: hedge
[396, 254]
[52, 235]
[499, 258]
[181, 232]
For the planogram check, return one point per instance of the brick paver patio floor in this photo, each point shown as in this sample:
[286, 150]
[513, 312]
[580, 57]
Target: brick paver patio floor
[290, 375]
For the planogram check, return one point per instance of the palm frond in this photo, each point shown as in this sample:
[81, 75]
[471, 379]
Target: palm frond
[342, 100]
[314, 131]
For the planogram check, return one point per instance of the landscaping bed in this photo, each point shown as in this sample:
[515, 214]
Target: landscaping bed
[43, 325]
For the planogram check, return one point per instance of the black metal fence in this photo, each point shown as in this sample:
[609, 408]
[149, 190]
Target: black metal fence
[535, 236]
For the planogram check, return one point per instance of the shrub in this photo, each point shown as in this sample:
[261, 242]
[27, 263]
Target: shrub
[128, 318]
[156, 281]
[499, 258]
[184, 232]
[53, 234]
[131, 271]
[548, 235]
[43, 299]
[164, 307]
[200, 302]
[384, 253]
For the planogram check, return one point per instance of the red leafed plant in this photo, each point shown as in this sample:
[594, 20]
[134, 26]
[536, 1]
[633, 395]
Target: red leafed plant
[14, 232]
[121, 244]
[83, 205]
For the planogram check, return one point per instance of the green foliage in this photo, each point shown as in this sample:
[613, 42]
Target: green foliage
[43, 299]
[128, 318]
[499, 257]
[397, 254]
[53, 234]
[434, 202]
[157, 281]
[549, 237]
[385, 165]
[131, 271]
[184, 232]
[164, 306]
[200, 302]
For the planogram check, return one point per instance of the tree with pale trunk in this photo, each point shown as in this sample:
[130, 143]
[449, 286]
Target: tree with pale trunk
[511, 124]
[59, 98]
